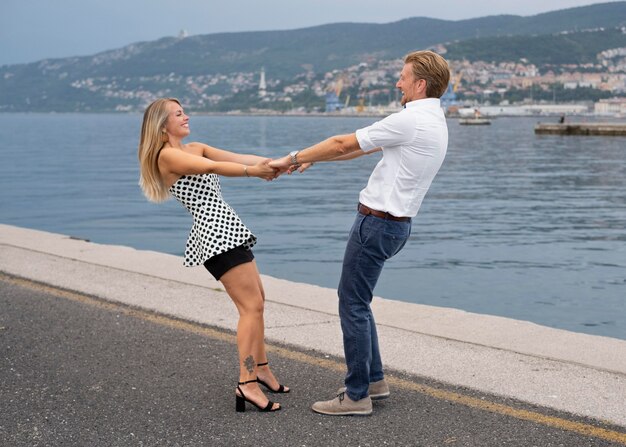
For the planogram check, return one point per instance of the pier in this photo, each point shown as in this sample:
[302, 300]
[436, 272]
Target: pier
[608, 129]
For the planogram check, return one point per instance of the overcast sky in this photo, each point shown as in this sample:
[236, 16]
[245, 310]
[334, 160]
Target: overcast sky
[32, 30]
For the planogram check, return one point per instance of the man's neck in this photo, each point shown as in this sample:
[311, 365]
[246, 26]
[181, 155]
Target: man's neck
[415, 101]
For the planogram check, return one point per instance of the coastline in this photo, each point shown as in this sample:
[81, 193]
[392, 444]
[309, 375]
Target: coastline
[579, 373]
[374, 114]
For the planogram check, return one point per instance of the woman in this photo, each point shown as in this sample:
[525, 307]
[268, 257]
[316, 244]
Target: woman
[218, 239]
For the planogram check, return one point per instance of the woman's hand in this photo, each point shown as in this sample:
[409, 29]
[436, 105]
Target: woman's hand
[263, 170]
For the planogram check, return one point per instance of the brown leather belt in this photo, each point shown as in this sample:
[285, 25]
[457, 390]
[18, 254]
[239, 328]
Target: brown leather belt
[365, 210]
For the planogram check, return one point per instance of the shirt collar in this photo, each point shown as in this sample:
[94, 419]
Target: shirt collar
[425, 102]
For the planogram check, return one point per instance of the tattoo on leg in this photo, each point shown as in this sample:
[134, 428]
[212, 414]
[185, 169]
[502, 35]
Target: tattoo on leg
[249, 363]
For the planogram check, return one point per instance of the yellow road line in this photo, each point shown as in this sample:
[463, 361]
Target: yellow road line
[197, 328]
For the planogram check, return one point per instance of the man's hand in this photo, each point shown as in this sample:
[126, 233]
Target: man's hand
[282, 164]
[300, 168]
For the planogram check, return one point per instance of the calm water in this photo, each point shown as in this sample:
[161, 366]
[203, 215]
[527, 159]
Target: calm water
[523, 226]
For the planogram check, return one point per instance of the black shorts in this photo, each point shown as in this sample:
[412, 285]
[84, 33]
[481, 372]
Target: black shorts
[220, 264]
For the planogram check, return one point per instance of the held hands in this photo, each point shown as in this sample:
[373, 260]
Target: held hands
[263, 170]
[283, 165]
[269, 169]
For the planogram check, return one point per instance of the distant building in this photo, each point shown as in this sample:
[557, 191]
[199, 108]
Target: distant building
[332, 97]
[449, 97]
[557, 109]
[183, 33]
[332, 102]
[527, 110]
[612, 106]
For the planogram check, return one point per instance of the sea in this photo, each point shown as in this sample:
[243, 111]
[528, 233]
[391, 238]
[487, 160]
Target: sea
[515, 224]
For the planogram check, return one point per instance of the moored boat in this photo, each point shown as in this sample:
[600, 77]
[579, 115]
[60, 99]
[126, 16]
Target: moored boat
[474, 121]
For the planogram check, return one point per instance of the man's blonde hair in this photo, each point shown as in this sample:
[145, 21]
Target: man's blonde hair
[433, 69]
[150, 145]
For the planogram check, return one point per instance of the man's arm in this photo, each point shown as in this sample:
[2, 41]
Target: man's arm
[329, 149]
[351, 156]
[356, 154]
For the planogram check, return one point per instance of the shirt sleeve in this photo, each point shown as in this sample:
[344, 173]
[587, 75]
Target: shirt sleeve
[397, 128]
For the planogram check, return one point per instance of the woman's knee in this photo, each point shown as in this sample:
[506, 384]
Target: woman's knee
[252, 305]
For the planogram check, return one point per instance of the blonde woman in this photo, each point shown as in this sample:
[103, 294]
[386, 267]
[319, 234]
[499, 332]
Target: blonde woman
[218, 238]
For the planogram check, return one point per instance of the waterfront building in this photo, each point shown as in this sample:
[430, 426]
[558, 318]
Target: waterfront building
[527, 110]
[612, 106]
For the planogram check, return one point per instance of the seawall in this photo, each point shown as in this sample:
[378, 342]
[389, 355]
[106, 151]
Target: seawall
[578, 373]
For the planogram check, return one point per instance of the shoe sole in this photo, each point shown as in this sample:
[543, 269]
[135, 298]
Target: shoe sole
[347, 413]
[380, 396]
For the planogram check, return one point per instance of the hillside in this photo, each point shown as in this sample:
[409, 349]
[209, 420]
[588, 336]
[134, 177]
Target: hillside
[125, 77]
[572, 48]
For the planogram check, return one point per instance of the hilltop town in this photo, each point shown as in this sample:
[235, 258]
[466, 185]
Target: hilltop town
[515, 87]
[563, 62]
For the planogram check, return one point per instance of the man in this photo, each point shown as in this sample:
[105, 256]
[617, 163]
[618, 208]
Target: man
[414, 143]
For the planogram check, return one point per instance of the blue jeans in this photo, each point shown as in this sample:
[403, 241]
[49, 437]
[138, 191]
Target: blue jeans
[371, 242]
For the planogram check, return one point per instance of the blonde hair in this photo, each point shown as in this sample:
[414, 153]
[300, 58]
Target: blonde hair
[150, 145]
[433, 69]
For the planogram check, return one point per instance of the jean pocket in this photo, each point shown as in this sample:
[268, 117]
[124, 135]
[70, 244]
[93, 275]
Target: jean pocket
[361, 229]
[395, 237]
[397, 230]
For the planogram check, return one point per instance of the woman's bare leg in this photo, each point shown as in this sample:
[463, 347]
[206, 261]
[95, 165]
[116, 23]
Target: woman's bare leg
[242, 283]
[264, 372]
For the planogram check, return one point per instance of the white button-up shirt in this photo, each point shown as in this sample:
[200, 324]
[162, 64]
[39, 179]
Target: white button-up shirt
[414, 142]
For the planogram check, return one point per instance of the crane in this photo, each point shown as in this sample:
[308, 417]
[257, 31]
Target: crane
[457, 81]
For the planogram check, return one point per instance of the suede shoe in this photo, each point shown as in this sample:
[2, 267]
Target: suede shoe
[342, 405]
[377, 390]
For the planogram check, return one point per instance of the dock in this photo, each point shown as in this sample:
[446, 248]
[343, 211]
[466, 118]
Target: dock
[604, 129]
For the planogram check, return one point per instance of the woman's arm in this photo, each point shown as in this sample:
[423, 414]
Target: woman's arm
[179, 162]
[217, 154]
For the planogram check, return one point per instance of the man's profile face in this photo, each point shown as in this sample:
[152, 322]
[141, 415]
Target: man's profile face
[405, 83]
[408, 85]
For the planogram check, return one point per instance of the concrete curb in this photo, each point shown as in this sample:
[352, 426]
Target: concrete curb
[578, 373]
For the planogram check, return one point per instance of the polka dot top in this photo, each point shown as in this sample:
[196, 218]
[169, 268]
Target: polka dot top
[216, 227]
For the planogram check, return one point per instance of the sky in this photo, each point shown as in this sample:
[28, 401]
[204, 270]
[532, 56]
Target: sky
[31, 30]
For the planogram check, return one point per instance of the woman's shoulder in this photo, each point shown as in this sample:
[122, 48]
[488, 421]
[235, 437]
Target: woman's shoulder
[189, 148]
[195, 147]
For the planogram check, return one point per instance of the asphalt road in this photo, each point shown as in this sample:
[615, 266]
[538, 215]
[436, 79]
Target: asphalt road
[79, 372]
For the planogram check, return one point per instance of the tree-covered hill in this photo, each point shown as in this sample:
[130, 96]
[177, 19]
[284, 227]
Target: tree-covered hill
[571, 48]
[127, 77]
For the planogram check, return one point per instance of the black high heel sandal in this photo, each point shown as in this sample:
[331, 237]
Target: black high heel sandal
[240, 401]
[281, 388]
